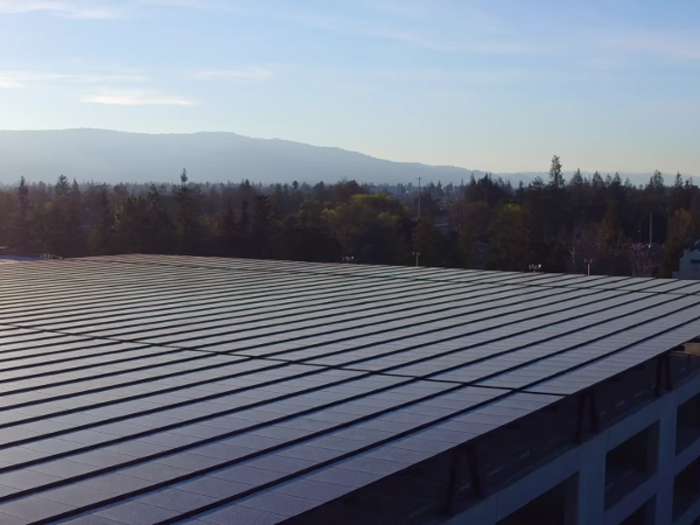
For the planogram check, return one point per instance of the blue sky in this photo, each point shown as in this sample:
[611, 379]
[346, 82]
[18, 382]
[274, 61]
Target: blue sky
[498, 85]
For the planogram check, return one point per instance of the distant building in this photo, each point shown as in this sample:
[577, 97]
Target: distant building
[689, 265]
[442, 225]
[17, 258]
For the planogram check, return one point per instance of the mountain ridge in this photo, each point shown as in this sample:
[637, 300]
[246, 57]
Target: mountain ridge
[115, 156]
[101, 155]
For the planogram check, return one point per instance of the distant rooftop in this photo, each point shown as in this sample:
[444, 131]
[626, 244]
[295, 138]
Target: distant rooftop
[17, 258]
[217, 391]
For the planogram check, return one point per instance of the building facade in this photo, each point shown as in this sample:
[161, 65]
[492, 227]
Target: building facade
[689, 267]
[641, 470]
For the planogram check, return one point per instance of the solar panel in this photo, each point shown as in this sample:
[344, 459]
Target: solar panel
[149, 389]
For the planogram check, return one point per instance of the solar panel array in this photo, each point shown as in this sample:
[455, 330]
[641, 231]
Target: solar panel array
[153, 389]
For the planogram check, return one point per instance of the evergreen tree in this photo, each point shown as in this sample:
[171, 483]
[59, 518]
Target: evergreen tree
[679, 236]
[428, 243]
[186, 219]
[556, 178]
[677, 195]
[227, 229]
[263, 227]
[159, 232]
[509, 239]
[596, 217]
[62, 188]
[102, 236]
[65, 237]
[21, 232]
[244, 220]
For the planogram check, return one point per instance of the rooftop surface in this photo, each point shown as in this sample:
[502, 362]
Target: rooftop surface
[154, 389]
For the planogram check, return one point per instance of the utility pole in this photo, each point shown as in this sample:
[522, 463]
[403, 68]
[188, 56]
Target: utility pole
[639, 231]
[651, 238]
[588, 262]
[417, 254]
[418, 199]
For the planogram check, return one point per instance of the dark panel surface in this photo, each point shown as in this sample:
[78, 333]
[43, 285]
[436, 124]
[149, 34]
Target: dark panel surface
[172, 389]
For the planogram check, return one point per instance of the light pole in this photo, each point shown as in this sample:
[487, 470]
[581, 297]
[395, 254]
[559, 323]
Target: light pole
[418, 199]
[639, 236]
[416, 254]
[588, 262]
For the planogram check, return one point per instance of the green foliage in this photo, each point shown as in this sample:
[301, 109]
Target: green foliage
[470, 220]
[186, 214]
[101, 238]
[509, 246]
[428, 243]
[556, 178]
[484, 222]
[679, 236]
[367, 227]
[21, 228]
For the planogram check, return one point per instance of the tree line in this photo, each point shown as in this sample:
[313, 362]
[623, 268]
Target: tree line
[555, 225]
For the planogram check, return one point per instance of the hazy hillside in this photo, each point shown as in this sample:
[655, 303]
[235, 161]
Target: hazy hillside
[110, 156]
[113, 157]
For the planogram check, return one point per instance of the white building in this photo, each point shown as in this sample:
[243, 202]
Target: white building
[689, 265]
[640, 468]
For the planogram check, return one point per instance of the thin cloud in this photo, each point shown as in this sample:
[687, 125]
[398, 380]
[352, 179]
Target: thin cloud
[405, 23]
[481, 42]
[241, 74]
[475, 76]
[603, 64]
[669, 47]
[137, 98]
[27, 79]
[64, 8]
[680, 107]
[485, 46]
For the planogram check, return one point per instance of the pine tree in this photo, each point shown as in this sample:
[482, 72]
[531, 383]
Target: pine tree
[186, 222]
[158, 230]
[101, 239]
[509, 239]
[62, 188]
[227, 229]
[679, 236]
[244, 219]
[21, 234]
[677, 194]
[556, 178]
[65, 216]
[262, 226]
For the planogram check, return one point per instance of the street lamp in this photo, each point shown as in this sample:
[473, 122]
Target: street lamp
[535, 267]
[588, 262]
[416, 255]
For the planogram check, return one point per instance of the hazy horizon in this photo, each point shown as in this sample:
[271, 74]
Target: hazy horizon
[479, 85]
[114, 157]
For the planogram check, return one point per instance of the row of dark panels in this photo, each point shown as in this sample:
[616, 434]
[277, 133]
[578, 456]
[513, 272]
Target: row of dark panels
[241, 434]
[193, 267]
[190, 390]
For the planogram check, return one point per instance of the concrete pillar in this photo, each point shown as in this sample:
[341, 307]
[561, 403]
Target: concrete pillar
[666, 461]
[650, 512]
[485, 513]
[591, 493]
[572, 501]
